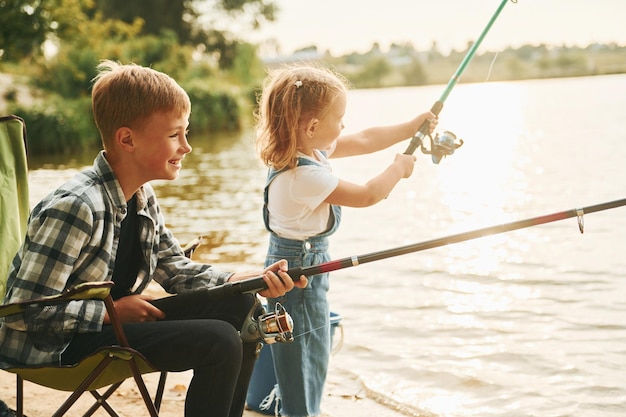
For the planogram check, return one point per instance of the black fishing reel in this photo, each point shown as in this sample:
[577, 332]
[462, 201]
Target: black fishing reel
[442, 145]
[276, 326]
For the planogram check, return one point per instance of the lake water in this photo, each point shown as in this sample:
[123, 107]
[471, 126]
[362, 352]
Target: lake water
[525, 323]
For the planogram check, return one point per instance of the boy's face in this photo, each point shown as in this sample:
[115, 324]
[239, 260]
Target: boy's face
[160, 146]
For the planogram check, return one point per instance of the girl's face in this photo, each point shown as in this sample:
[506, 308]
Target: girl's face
[162, 144]
[325, 130]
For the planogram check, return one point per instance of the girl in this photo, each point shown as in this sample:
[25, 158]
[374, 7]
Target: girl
[299, 126]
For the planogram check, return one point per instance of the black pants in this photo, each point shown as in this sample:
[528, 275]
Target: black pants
[198, 334]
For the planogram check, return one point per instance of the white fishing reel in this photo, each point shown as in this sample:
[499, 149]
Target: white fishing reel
[276, 326]
[442, 145]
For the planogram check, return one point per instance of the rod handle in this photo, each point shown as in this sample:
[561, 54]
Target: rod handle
[295, 274]
[416, 141]
[252, 285]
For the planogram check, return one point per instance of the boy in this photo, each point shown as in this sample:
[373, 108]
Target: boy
[105, 224]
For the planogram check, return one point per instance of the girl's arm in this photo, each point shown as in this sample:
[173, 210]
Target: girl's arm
[376, 138]
[353, 195]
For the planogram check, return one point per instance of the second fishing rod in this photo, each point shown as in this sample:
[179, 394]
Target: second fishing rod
[257, 284]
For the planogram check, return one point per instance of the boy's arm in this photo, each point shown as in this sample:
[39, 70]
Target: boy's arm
[381, 137]
[49, 260]
[176, 273]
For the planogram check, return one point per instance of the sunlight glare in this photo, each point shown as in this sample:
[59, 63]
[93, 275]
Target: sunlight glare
[485, 182]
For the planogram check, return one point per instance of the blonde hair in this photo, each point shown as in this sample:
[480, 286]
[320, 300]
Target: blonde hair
[291, 97]
[127, 95]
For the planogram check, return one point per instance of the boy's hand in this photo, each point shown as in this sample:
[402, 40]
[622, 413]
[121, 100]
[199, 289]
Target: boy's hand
[135, 308]
[278, 280]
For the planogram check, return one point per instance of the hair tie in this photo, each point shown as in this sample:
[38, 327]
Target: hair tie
[298, 84]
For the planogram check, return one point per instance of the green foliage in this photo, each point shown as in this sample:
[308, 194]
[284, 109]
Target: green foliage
[61, 126]
[69, 74]
[247, 68]
[165, 36]
[212, 109]
[372, 74]
[70, 71]
[515, 67]
[23, 28]
[182, 17]
[414, 73]
[10, 96]
[432, 67]
[25, 25]
[565, 64]
[176, 16]
[162, 53]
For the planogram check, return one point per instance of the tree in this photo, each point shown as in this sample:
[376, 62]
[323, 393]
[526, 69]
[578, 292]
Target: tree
[373, 73]
[157, 15]
[24, 25]
[204, 24]
[414, 73]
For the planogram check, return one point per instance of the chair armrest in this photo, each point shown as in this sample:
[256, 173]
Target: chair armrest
[84, 291]
[191, 246]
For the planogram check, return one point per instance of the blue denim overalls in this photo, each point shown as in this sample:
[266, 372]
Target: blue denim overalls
[301, 366]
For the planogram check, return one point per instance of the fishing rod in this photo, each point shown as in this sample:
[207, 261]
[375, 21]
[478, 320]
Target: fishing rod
[446, 144]
[253, 285]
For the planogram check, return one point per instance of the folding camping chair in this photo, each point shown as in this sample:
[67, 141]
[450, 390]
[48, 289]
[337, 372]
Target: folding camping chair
[107, 367]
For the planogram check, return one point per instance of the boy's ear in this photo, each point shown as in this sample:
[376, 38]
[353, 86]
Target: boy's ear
[124, 139]
[312, 127]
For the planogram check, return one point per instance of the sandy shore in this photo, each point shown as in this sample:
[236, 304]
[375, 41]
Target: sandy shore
[345, 396]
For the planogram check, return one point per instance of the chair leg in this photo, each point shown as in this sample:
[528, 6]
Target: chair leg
[160, 390]
[142, 388]
[82, 388]
[102, 398]
[19, 397]
[101, 401]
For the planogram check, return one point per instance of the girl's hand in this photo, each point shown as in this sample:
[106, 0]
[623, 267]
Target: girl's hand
[406, 162]
[431, 118]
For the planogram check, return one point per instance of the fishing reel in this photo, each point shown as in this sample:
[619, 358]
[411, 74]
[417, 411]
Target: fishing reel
[276, 326]
[442, 145]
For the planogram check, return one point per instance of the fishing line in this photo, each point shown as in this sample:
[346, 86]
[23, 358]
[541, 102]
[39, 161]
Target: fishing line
[336, 346]
[493, 61]
[312, 330]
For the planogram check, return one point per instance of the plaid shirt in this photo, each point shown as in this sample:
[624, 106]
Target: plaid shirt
[72, 238]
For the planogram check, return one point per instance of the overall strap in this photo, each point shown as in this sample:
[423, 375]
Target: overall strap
[272, 173]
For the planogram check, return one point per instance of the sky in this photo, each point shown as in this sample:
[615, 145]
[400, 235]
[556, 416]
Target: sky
[345, 26]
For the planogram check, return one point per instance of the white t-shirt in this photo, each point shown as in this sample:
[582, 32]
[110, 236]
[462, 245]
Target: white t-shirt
[296, 200]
